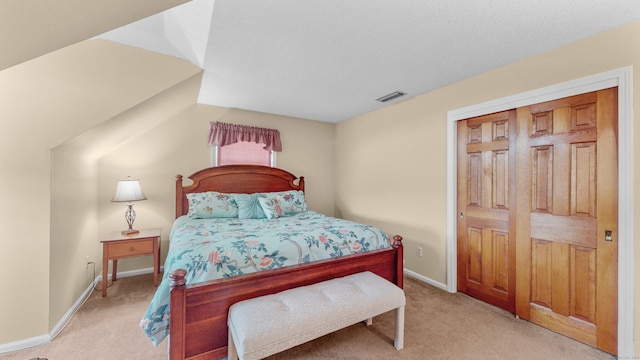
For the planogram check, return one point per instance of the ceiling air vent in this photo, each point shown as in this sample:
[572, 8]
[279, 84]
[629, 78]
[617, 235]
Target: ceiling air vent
[389, 97]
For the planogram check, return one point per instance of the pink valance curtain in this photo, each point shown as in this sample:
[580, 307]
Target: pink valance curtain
[222, 134]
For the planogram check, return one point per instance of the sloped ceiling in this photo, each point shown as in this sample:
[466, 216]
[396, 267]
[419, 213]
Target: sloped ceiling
[31, 28]
[325, 60]
[68, 92]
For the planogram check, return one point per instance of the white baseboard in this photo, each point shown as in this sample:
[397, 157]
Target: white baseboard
[69, 314]
[25, 344]
[45, 339]
[131, 273]
[425, 279]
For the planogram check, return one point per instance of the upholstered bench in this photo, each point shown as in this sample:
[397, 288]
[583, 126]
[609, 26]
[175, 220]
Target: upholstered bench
[266, 325]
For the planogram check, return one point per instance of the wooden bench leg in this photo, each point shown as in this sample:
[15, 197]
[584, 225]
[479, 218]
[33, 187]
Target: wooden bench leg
[399, 341]
[232, 353]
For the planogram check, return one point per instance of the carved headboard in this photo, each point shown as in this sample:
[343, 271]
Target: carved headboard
[242, 179]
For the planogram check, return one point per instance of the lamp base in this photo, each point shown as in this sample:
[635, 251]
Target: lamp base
[130, 232]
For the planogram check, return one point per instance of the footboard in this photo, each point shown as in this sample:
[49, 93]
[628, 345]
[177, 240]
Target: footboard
[199, 311]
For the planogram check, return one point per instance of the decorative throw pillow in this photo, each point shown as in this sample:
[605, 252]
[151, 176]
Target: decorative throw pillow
[211, 204]
[249, 207]
[271, 206]
[292, 201]
[283, 203]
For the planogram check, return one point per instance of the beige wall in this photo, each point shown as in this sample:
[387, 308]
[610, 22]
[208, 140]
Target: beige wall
[43, 104]
[179, 146]
[395, 176]
[74, 226]
[75, 233]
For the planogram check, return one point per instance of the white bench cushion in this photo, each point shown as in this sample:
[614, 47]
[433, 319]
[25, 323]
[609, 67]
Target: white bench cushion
[266, 325]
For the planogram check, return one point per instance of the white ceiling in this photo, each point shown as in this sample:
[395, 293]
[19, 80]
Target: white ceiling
[329, 60]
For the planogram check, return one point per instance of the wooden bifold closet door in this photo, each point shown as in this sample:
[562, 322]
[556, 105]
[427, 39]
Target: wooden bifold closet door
[537, 206]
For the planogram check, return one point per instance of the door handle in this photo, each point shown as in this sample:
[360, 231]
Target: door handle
[608, 235]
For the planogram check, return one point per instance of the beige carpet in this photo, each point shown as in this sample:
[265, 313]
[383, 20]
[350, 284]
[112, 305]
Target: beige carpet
[439, 325]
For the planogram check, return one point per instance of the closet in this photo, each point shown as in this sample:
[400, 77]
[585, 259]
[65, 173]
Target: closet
[537, 193]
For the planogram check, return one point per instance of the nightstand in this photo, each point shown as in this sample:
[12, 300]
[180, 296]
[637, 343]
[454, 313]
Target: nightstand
[117, 246]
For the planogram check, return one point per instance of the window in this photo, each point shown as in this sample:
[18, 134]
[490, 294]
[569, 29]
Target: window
[243, 152]
[238, 144]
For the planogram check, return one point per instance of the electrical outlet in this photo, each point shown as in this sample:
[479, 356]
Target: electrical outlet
[419, 250]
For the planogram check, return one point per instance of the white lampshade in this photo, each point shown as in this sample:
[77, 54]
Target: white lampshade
[128, 190]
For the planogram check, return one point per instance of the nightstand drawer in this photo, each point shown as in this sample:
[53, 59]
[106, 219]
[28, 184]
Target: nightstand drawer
[130, 248]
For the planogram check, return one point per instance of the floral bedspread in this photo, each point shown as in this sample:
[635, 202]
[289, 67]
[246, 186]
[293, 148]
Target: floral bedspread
[216, 248]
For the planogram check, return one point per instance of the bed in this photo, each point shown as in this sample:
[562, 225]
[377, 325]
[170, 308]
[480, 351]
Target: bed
[199, 298]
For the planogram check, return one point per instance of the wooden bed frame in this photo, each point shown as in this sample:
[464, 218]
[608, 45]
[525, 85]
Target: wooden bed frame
[198, 324]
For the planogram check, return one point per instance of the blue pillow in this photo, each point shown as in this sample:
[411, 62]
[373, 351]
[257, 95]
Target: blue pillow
[249, 206]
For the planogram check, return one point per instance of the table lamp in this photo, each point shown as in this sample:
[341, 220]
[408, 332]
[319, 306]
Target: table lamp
[129, 190]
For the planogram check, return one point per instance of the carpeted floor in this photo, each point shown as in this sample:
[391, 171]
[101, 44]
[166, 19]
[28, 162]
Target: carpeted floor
[439, 325]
